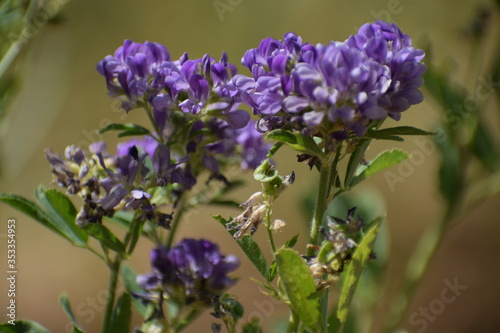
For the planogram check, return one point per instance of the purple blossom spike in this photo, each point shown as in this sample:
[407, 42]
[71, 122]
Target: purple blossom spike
[191, 271]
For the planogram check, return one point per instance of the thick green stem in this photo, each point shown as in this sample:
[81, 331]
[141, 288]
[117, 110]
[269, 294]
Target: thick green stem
[415, 270]
[293, 323]
[113, 281]
[321, 205]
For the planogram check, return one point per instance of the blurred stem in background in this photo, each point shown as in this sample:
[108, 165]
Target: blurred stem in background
[470, 157]
[20, 21]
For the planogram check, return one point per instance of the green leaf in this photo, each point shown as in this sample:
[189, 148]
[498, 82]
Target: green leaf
[135, 232]
[299, 286]
[62, 214]
[131, 286]
[121, 218]
[448, 95]
[274, 149]
[483, 146]
[31, 209]
[297, 141]
[325, 252]
[224, 203]
[292, 241]
[381, 162]
[105, 237]
[265, 172]
[282, 135]
[273, 271]
[23, 326]
[253, 326]
[251, 250]
[306, 144]
[127, 129]
[272, 291]
[122, 315]
[400, 130]
[450, 177]
[64, 302]
[356, 157]
[372, 134]
[352, 274]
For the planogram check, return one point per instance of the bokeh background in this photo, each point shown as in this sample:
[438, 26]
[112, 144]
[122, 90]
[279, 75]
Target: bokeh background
[62, 100]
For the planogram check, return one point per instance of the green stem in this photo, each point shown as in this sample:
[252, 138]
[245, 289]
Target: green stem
[153, 122]
[175, 223]
[10, 56]
[195, 313]
[293, 323]
[418, 264]
[113, 281]
[27, 32]
[324, 311]
[268, 227]
[96, 253]
[321, 205]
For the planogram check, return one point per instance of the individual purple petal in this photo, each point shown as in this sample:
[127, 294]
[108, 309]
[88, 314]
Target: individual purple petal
[295, 104]
[146, 144]
[114, 198]
[313, 118]
[97, 147]
[210, 163]
[140, 194]
[148, 281]
[237, 119]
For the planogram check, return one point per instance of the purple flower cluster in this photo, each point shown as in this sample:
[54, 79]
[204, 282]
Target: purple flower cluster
[107, 183]
[333, 91]
[142, 74]
[185, 96]
[193, 271]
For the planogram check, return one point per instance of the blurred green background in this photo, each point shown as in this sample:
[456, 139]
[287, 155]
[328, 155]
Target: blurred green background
[62, 100]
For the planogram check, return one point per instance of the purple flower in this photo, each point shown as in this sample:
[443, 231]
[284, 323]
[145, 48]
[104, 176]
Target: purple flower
[134, 70]
[389, 46]
[146, 143]
[254, 149]
[191, 271]
[107, 183]
[332, 91]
